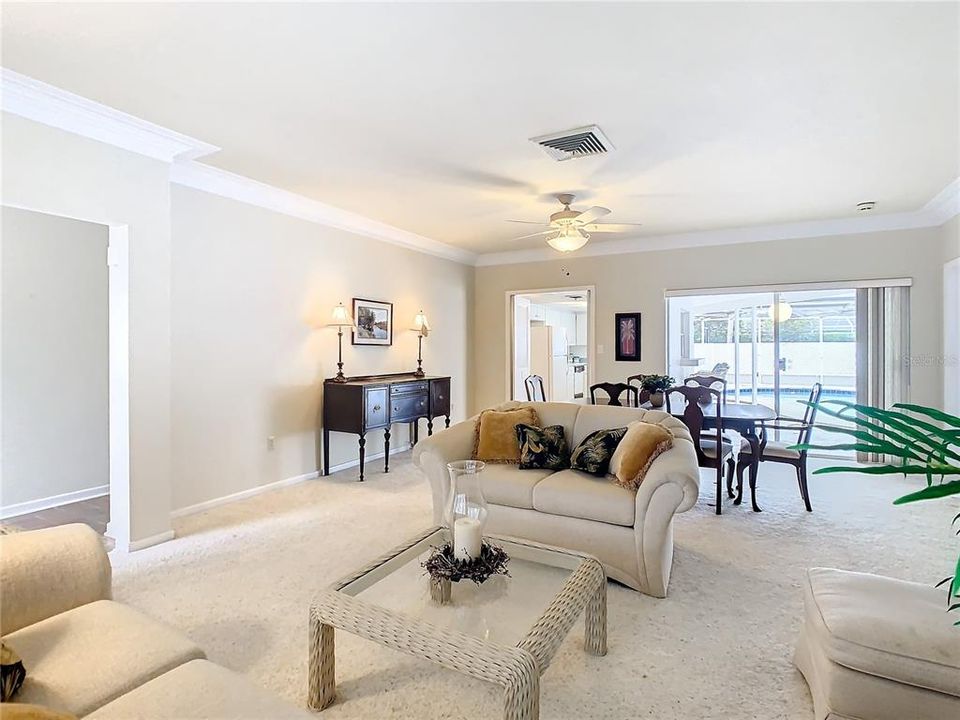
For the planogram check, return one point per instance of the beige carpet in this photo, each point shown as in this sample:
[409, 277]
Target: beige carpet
[239, 578]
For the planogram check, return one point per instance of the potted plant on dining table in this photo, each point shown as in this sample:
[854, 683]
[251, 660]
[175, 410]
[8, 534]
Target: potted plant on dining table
[655, 385]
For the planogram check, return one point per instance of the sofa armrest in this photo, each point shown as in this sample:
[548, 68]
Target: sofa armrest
[433, 453]
[677, 466]
[46, 572]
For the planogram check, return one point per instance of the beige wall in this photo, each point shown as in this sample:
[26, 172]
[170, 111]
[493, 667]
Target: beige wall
[52, 171]
[252, 290]
[54, 360]
[636, 282]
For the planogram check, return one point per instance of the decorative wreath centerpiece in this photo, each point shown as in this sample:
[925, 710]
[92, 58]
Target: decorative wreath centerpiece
[443, 565]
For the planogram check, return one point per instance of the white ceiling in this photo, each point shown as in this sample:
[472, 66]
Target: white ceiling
[723, 115]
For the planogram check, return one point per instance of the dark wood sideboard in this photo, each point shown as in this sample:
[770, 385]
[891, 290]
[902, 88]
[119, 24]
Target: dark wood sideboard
[374, 402]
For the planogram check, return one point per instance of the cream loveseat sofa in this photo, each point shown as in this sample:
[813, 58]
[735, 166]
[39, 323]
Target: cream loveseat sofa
[630, 533]
[95, 658]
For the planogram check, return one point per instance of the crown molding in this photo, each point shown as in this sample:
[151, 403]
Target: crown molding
[945, 205]
[49, 105]
[243, 189]
[941, 208]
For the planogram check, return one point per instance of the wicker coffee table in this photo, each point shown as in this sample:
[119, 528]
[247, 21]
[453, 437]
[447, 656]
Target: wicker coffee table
[505, 631]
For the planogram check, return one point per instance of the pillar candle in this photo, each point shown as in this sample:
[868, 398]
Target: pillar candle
[466, 538]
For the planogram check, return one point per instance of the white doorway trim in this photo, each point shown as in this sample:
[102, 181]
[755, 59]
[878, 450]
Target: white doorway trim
[591, 291]
[951, 336]
[118, 312]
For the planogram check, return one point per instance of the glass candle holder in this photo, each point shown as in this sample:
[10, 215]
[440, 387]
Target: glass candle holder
[466, 508]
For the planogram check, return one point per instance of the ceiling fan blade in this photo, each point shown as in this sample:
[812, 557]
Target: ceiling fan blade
[591, 214]
[536, 234]
[529, 222]
[611, 227]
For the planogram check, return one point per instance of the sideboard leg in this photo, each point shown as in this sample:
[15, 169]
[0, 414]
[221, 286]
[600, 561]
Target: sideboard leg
[326, 452]
[416, 431]
[446, 422]
[363, 443]
[429, 425]
[386, 450]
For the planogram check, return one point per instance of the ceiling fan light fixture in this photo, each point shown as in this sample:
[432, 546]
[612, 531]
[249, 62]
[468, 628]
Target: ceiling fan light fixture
[568, 239]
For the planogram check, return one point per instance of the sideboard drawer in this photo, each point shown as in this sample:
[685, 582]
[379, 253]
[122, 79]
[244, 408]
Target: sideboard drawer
[407, 388]
[408, 407]
[376, 407]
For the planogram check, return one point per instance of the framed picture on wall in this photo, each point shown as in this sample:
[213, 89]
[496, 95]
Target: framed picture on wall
[628, 336]
[374, 321]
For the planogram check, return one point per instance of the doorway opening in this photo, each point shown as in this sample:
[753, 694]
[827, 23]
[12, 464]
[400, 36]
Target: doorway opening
[550, 335]
[65, 414]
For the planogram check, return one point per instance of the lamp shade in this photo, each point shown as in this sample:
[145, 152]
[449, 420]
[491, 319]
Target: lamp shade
[420, 324]
[781, 312]
[340, 317]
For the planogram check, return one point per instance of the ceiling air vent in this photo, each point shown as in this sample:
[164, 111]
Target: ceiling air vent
[569, 144]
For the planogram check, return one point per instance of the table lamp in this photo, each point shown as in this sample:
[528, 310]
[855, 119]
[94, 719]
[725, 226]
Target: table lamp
[422, 327]
[340, 319]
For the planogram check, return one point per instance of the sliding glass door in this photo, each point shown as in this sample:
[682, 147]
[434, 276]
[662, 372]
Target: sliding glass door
[770, 346]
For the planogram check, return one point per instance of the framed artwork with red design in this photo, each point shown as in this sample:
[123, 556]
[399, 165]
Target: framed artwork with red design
[628, 336]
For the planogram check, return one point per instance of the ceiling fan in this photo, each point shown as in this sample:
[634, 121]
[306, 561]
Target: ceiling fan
[570, 229]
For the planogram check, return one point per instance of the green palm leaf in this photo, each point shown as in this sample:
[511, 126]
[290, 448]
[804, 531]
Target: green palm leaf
[934, 491]
[943, 417]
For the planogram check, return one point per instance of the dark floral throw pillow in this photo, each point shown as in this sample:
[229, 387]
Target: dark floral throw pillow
[543, 448]
[594, 453]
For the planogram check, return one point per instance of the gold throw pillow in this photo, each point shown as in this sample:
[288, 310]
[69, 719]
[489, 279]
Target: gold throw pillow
[633, 457]
[496, 435]
[23, 711]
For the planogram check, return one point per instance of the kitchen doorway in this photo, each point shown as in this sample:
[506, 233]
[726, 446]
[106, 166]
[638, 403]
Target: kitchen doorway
[550, 334]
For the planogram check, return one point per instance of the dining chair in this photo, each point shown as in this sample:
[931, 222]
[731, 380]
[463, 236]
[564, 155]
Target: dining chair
[713, 451]
[643, 395]
[781, 452]
[709, 381]
[614, 391]
[536, 392]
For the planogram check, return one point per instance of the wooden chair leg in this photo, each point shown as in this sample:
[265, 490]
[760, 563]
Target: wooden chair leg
[804, 490]
[719, 486]
[741, 466]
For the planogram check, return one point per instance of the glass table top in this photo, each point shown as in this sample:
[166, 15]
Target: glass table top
[501, 610]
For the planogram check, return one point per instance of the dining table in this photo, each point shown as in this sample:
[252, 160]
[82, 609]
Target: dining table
[745, 419]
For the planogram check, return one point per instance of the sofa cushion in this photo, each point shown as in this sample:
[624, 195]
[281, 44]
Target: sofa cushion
[200, 690]
[496, 434]
[576, 494]
[543, 448]
[85, 657]
[884, 627]
[509, 485]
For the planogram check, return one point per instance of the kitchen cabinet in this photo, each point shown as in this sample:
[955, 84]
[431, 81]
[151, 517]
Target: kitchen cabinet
[538, 312]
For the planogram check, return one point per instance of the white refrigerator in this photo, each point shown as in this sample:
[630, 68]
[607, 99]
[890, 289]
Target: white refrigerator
[549, 359]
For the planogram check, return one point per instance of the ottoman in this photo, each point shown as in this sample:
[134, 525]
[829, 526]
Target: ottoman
[875, 648]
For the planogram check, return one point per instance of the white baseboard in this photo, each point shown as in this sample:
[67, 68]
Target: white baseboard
[251, 492]
[148, 541]
[368, 458]
[46, 503]
[233, 497]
